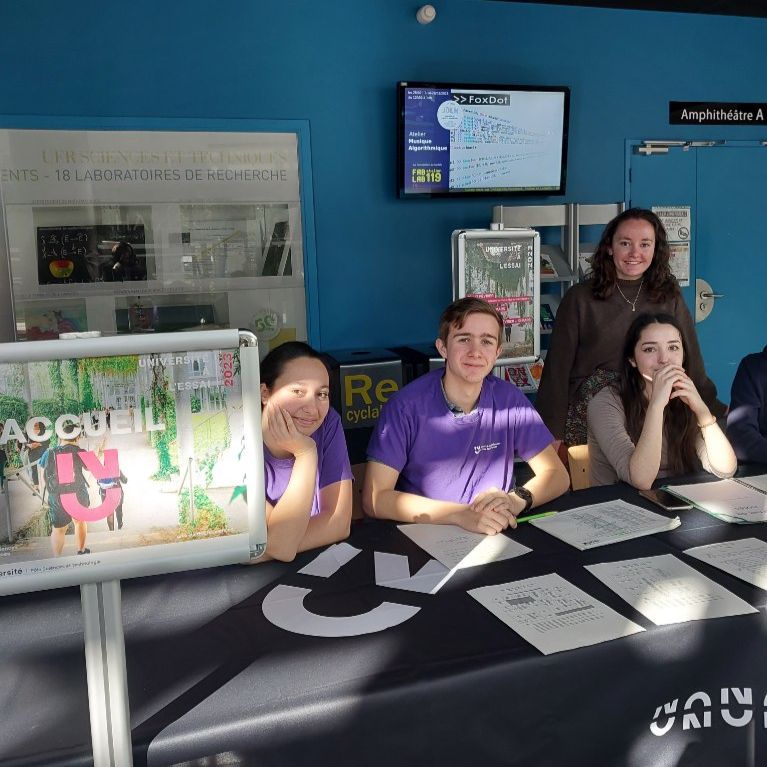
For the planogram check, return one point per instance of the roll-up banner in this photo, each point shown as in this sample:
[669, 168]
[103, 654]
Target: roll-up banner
[128, 457]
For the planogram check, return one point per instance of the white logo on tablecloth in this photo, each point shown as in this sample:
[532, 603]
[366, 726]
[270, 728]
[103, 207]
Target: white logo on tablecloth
[284, 605]
[736, 710]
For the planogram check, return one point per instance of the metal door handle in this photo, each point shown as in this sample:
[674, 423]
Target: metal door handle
[704, 304]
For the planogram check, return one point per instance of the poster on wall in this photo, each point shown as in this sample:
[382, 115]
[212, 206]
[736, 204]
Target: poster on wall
[121, 466]
[677, 221]
[98, 253]
[503, 268]
[164, 220]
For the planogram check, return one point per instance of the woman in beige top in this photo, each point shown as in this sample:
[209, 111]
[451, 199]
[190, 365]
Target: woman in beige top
[630, 274]
[653, 422]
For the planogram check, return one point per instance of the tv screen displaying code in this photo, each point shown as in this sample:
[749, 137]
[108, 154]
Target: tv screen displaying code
[461, 139]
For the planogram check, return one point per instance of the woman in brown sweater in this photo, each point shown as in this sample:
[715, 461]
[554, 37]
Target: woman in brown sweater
[629, 274]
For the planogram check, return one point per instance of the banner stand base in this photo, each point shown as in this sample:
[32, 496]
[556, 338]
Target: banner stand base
[107, 676]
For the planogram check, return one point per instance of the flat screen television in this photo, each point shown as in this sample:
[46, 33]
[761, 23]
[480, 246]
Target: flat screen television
[461, 140]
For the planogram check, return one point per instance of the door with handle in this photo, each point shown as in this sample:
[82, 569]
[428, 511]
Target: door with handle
[725, 187]
[732, 257]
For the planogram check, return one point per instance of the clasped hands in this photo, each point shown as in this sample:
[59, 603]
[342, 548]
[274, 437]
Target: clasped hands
[492, 511]
[672, 382]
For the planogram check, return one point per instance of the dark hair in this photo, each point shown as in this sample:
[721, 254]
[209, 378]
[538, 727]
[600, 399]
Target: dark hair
[680, 429]
[659, 283]
[124, 250]
[274, 363]
[125, 265]
[455, 315]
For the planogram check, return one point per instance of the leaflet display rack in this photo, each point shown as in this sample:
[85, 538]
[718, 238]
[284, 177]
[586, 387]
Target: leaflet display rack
[213, 371]
[570, 220]
[564, 259]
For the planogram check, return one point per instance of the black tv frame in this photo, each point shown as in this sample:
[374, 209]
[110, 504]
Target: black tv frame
[529, 192]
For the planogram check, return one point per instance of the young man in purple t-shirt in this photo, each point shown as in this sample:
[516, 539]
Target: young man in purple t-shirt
[444, 446]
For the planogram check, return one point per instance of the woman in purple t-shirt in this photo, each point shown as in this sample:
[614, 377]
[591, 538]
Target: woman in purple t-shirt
[306, 464]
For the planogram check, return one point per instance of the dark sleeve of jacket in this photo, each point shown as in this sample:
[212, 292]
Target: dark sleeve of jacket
[747, 419]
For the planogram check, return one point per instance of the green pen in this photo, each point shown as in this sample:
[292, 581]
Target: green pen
[530, 517]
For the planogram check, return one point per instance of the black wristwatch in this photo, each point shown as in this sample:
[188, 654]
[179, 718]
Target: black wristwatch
[526, 496]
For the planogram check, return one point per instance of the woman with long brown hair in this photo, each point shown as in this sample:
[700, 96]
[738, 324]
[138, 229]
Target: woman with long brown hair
[653, 422]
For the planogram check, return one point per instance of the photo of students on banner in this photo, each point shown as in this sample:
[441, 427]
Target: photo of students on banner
[65, 483]
[109, 454]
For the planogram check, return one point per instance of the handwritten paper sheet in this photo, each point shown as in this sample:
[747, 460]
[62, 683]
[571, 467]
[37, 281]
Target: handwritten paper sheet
[666, 590]
[552, 614]
[745, 559]
[603, 523]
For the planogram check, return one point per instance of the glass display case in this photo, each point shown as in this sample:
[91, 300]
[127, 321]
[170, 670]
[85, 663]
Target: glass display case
[150, 231]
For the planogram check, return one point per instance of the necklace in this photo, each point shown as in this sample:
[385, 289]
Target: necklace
[633, 303]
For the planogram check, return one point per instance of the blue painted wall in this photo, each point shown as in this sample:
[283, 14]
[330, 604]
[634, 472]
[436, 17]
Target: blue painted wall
[383, 263]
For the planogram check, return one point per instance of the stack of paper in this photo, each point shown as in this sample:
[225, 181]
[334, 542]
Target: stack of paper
[731, 500]
[604, 523]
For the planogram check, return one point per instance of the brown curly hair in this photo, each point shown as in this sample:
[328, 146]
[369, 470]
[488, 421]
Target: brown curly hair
[659, 283]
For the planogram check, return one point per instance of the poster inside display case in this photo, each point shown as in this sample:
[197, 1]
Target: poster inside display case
[236, 241]
[96, 253]
[150, 231]
[44, 323]
[502, 268]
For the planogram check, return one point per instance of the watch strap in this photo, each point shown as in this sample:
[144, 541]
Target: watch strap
[526, 496]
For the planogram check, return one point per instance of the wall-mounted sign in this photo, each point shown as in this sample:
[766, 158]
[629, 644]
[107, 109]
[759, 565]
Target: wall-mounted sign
[717, 112]
[677, 221]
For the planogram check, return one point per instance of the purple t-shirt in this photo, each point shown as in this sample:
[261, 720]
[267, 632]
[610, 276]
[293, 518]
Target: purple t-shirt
[454, 458]
[332, 462]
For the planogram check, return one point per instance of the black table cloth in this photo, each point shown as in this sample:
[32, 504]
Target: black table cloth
[212, 681]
